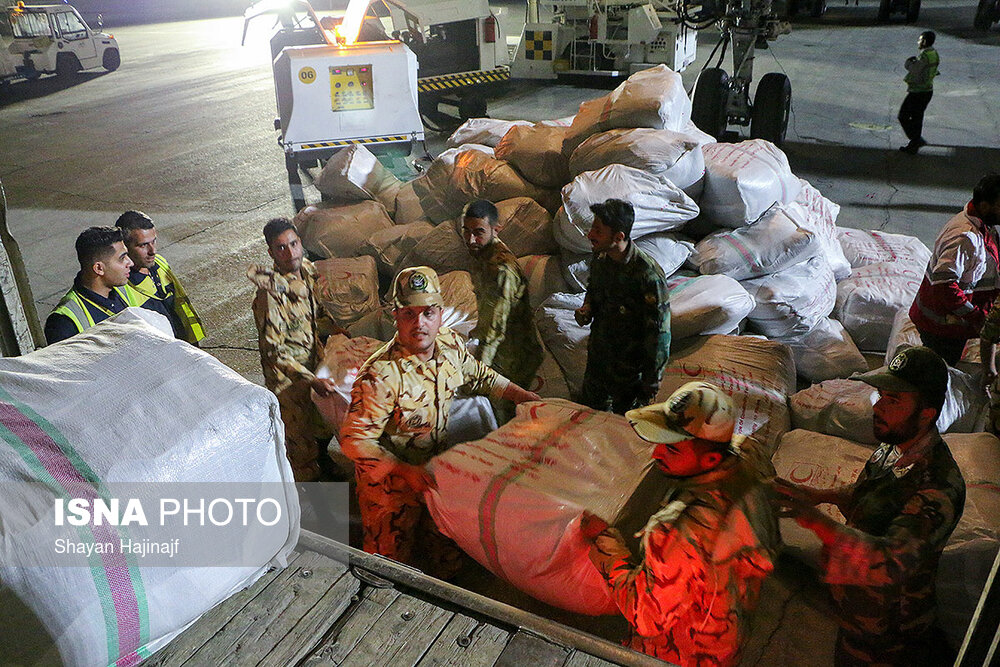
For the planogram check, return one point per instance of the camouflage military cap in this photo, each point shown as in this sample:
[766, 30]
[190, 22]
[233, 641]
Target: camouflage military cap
[416, 286]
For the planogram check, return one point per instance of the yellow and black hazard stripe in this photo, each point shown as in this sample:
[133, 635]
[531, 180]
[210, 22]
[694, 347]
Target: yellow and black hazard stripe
[352, 142]
[462, 79]
[538, 45]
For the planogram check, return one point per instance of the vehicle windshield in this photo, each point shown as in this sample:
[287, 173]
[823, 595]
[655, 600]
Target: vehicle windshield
[69, 25]
[30, 24]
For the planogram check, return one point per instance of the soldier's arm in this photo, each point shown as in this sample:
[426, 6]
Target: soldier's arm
[372, 399]
[988, 339]
[656, 333]
[273, 350]
[494, 331]
[852, 557]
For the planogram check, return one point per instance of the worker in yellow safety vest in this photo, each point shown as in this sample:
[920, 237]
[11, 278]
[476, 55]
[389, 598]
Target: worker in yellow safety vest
[156, 285]
[100, 289]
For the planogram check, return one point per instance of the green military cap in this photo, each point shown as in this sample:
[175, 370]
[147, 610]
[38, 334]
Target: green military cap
[417, 286]
[916, 369]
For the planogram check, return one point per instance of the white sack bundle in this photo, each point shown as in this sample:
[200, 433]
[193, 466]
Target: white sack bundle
[654, 97]
[536, 152]
[826, 462]
[868, 301]
[389, 245]
[513, 500]
[825, 352]
[575, 269]
[863, 248]
[340, 231]
[486, 131]
[838, 407]
[354, 174]
[659, 205]
[673, 155]
[549, 380]
[743, 180]
[347, 287]
[904, 334]
[792, 301]
[705, 305]
[758, 374]
[70, 440]
[667, 249]
[563, 337]
[544, 277]
[565, 121]
[773, 243]
[819, 215]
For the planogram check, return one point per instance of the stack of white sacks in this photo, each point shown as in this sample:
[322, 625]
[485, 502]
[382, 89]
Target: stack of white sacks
[748, 248]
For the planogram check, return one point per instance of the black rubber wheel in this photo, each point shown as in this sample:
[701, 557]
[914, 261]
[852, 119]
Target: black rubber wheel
[67, 64]
[472, 105]
[984, 15]
[111, 60]
[884, 10]
[912, 11]
[711, 100]
[771, 104]
[818, 8]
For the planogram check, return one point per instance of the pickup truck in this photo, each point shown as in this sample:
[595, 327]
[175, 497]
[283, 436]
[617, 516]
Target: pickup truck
[52, 39]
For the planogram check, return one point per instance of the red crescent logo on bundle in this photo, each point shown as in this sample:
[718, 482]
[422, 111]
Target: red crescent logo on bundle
[693, 373]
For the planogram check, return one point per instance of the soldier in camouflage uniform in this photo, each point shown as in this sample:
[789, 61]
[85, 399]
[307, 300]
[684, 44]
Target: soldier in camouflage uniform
[881, 566]
[398, 421]
[989, 337]
[508, 341]
[706, 553]
[291, 326]
[629, 311]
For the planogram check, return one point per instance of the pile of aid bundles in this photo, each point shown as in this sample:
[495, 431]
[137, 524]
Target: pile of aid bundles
[767, 294]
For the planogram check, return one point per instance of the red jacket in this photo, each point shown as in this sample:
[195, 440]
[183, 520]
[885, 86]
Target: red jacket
[961, 280]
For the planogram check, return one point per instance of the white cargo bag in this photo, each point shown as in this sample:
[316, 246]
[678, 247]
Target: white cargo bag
[536, 152]
[904, 334]
[667, 249]
[673, 155]
[116, 412]
[342, 357]
[340, 231]
[563, 337]
[743, 180]
[347, 287]
[773, 243]
[704, 305]
[819, 215]
[513, 500]
[863, 248]
[486, 131]
[868, 301]
[825, 462]
[549, 381]
[525, 227]
[544, 277]
[841, 408]
[792, 301]
[565, 121]
[659, 205]
[758, 374]
[354, 174]
[825, 352]
[575, 270]
[654, 97]
[389, 245]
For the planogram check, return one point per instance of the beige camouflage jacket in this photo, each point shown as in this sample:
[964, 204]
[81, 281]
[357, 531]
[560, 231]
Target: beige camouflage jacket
[400, 405]
[289, 324]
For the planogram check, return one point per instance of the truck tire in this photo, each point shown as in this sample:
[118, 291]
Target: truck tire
[818, 8]
[884, 10]
[711, 101]
[984, 15]
[111, 60]
[771, 105]
[912, 11]
[67, 65]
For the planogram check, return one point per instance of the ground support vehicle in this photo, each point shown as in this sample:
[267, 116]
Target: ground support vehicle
[987, 13]
[910, 8]
[53, 39]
